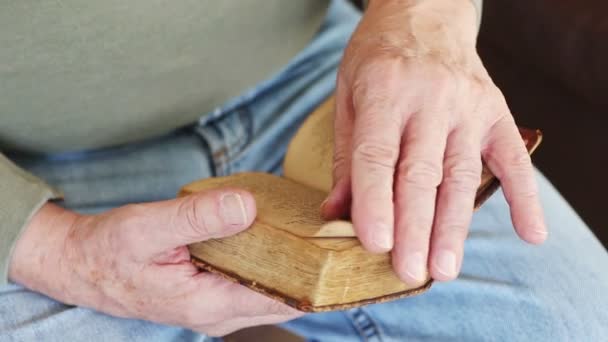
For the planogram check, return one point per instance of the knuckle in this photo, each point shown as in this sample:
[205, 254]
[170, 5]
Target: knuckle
[422, 173]
[376, 155]
[520, 161]
[421, 225]
[464, 174]
[340, 164]
[387, 59]
[359, 88]
[371, 94]
[379, 74]
[190, 210]
[517, 166]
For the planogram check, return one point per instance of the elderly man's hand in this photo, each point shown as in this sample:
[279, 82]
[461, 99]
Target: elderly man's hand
[416, 112]
[133, 262]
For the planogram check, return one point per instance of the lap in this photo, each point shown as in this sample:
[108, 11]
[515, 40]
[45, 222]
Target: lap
[507, 291]
[28, 316]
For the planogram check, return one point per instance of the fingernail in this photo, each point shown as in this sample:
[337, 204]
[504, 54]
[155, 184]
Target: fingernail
[233, 210]
[446, 263]
[383, 239]
[416, 266]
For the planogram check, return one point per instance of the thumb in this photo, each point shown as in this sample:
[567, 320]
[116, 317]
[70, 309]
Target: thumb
[197, 217]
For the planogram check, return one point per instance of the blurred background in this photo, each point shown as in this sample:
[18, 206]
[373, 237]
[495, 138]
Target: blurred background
[550, 59]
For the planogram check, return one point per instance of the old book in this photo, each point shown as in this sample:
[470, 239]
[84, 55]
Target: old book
[290, 253]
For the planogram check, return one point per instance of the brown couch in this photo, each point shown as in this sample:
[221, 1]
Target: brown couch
[550, 58]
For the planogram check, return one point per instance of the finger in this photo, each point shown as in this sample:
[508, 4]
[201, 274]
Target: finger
[376, 143]
[507, 157]
[206, 215]
[455, 201]
[206, 302]
[235, 300]
[418, 175]
[338, 201]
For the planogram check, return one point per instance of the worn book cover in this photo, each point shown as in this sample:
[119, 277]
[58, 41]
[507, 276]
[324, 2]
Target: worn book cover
[290, 253]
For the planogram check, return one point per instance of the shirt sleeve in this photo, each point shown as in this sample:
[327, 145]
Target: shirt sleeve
[21, 195]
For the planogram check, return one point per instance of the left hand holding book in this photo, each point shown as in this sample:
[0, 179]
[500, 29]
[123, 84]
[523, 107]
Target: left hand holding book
[133, 262]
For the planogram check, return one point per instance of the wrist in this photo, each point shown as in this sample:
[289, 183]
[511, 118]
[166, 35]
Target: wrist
[468, 4]
[452, 16]
[442, 30]
[38, 261]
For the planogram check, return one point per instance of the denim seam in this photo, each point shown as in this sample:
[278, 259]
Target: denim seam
[368, 329]
[237, 155]
[225, 147]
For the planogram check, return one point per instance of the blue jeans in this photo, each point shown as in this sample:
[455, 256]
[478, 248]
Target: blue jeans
[508, 291]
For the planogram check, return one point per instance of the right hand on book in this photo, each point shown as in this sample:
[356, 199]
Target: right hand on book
[416, 112]
[133, 262]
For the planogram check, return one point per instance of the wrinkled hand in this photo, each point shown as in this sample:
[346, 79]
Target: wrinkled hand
[132, 262]
[416, 111]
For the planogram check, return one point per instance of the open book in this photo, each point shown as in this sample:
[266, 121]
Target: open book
[290, 253]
